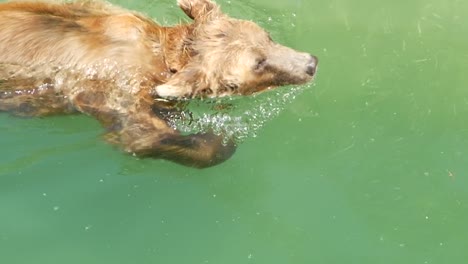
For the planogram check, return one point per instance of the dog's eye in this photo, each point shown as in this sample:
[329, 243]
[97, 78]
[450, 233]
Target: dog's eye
[260, 64]
[232, 86]
[221, 35]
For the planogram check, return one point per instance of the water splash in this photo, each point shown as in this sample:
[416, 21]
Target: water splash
[236, 118]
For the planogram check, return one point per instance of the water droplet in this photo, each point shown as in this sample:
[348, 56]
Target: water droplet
[236, 118]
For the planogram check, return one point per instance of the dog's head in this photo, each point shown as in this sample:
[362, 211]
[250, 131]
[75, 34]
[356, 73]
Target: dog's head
[232, 56]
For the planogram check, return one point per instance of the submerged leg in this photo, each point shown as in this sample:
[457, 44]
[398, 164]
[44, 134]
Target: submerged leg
[139, 130]
[150, 138]
[28, 91]
[30, 97]
[198, 150]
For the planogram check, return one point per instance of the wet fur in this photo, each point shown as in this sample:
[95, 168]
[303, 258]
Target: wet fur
[111, 63]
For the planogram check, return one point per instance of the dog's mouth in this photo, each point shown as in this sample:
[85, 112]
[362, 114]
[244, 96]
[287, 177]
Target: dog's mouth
[264, 89]
[256, 90]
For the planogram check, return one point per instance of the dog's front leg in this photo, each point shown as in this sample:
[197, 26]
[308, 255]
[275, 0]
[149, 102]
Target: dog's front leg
[147, 136]
[198, 150]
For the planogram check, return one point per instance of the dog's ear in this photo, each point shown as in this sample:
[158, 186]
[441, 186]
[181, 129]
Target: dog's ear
[183, 84]
[197, 9]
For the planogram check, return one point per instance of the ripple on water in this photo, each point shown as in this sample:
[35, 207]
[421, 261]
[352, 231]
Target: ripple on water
[236, 118]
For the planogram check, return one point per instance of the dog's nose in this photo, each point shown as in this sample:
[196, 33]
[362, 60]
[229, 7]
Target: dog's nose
[312, 65]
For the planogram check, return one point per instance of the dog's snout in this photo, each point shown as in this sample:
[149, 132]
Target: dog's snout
[311, 67]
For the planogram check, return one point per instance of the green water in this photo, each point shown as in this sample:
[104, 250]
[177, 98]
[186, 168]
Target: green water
[368, 166]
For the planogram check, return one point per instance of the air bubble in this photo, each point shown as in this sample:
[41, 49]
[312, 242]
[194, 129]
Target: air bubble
[235, 118]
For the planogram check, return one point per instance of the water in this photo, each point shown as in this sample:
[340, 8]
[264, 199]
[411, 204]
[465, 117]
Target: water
[235, 118]
[366, 166]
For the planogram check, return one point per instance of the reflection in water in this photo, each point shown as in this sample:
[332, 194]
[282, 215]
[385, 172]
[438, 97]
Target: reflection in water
[237, 118]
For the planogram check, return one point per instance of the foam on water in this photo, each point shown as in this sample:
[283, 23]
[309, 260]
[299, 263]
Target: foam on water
[236, 118]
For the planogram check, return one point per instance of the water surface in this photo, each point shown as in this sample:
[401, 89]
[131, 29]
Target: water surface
[369, 165]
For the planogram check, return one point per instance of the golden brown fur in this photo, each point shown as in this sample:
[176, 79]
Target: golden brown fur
[111, 63]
